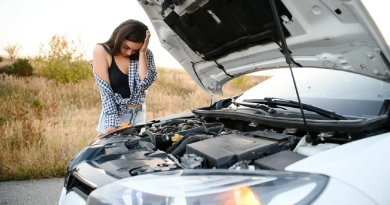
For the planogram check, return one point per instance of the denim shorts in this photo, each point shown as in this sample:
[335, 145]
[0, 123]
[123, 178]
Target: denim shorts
[131, 115]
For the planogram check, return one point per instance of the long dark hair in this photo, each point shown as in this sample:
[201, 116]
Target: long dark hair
[131, 30]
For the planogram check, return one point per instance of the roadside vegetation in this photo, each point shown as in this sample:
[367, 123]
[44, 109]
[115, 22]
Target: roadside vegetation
[50, 104]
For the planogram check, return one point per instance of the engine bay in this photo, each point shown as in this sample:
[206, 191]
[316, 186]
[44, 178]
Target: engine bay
[208, 143]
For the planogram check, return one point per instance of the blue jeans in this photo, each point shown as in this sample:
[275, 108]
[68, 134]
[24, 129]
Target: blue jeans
[132, 115]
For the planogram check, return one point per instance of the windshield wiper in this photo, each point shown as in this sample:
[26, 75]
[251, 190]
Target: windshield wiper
[264, 108]
[270, 101]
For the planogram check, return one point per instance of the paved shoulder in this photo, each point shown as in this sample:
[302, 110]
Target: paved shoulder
[33, 192]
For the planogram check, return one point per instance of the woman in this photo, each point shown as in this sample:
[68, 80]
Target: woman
[124, 69]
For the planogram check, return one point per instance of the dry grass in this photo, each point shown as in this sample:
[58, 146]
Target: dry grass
[44, 124]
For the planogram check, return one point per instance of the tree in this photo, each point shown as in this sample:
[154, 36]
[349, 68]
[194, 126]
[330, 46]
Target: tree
[62, 61]
[12, 50]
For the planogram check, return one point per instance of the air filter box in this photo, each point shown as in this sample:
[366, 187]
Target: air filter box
[224, 151]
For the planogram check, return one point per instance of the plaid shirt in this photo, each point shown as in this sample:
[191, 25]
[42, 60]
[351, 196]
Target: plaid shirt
[113, 103]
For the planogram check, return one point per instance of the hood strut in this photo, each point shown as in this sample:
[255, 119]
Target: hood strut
[289, 60]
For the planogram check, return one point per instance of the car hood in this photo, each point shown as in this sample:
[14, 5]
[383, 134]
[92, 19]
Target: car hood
[217, 40]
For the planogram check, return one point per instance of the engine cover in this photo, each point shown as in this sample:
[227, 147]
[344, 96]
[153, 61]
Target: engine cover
[226, 150]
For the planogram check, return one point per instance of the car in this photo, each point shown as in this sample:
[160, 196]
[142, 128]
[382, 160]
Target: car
[317, 132]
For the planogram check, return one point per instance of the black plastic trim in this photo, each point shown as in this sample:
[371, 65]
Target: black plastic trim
[314, 125]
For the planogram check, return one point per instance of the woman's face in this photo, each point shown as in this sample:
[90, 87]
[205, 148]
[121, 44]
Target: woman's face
[128, 48]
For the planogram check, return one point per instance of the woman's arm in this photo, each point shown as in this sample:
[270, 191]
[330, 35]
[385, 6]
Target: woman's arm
[143, 63]
[100, 63]
[151, 74]
[100, 68]
[146, 68]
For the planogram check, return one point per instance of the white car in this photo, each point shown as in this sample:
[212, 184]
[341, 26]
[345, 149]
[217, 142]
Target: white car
[266, 146]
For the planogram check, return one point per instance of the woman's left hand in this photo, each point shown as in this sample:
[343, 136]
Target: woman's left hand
[146, 42]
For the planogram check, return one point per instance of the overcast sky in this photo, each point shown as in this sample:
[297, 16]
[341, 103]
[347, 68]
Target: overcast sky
[31, 22]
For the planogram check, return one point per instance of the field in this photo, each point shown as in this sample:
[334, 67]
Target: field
[43, 124]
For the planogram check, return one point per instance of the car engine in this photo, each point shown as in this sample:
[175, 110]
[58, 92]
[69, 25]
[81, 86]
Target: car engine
[200, 142]
[195, 143]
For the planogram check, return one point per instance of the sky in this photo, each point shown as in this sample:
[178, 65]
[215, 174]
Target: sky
[32, 22]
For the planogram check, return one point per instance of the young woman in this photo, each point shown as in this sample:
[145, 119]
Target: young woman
[124, 69]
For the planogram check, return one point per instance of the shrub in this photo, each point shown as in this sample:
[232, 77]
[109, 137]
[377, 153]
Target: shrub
[62, 62]
[21, 67]
[1, 59]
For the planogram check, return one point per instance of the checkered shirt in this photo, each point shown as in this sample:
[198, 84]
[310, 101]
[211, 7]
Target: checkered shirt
[113, 103]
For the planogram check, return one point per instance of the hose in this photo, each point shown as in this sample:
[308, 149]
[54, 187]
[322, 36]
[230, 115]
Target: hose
[208, 128]
[151, 135]
[164, 130]
[181, 148]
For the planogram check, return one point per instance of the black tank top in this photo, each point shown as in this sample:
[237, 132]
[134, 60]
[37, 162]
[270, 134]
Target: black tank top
[119, 81]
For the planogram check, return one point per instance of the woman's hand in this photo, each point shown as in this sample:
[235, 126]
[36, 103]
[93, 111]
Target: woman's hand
[146, 42]
[105, 131]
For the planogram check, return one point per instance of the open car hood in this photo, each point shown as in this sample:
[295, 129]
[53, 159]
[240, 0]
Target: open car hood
[215, 40]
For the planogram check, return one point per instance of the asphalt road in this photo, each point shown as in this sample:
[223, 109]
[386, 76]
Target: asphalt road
[33, 192]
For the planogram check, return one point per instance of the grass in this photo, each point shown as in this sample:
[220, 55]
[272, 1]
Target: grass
[43, 124]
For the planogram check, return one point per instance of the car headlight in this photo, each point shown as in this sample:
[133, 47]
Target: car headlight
[222, 187]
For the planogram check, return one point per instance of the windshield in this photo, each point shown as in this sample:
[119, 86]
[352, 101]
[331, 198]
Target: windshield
[339, 91]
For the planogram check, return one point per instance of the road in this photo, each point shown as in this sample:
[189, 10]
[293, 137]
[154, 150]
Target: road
[33, 192]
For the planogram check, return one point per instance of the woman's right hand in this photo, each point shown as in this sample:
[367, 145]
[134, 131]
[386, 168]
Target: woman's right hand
[104, 132]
